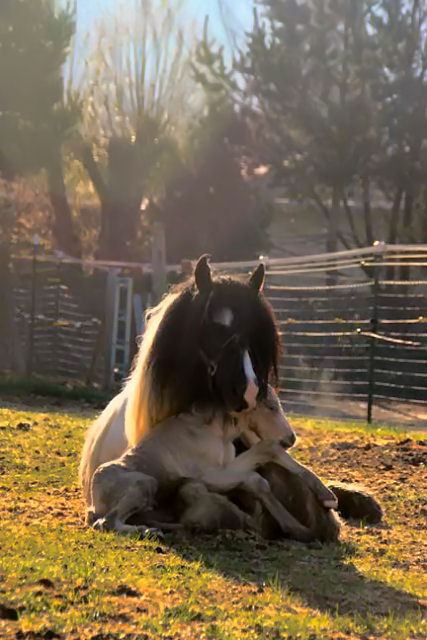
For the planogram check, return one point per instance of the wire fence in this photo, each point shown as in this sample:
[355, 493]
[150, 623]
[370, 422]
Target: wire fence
[354, 331]
[353, 325]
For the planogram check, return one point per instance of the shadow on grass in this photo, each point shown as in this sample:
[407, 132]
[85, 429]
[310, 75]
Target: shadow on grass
[324, 577]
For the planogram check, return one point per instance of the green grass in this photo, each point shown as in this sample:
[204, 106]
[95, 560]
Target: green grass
[359, 426]
[34, 386]
[60, 577]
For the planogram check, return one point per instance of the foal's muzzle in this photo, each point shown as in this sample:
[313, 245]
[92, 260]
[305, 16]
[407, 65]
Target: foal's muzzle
[289, 441]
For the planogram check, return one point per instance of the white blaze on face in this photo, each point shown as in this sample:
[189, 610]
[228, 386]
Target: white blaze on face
[252, 387]
[224, 316]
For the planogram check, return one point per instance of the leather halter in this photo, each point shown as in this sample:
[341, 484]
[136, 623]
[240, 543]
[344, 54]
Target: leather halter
[212, 363]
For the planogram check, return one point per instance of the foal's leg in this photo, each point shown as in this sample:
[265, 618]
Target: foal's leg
[240, 474]
[296, 496]
[266, 451]
[321, 491]
[117, 494]
[209, 511]
[260, 488]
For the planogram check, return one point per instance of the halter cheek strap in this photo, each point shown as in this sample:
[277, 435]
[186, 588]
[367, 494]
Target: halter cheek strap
[206, 309]
[212, 364]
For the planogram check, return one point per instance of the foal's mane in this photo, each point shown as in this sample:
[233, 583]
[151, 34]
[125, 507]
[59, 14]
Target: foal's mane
[167, 361]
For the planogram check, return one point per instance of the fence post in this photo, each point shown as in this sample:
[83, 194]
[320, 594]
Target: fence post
[108, 326]
[57, 311]
[379, 248]
[36, 244]
[158, 252]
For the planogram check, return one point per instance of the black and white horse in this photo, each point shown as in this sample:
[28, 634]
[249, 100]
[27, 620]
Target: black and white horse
[210, 344]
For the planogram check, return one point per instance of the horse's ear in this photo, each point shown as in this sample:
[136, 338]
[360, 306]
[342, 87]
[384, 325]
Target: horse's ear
[202, 274]
[256, 281]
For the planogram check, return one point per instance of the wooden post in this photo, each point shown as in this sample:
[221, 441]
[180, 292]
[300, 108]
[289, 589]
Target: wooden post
[30, 361]
[158, 260]
[108, 325]
[379, 248]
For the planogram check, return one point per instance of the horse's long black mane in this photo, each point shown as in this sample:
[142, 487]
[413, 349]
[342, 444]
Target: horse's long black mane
[193, 351]
[174, 361]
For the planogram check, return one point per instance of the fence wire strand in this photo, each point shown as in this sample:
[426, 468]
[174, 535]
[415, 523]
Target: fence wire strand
[340, 336]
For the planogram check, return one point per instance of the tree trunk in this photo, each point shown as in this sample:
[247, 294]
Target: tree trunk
[332, 239]
[351, 223]
[120, 199]
[119, 228]
[63, 231]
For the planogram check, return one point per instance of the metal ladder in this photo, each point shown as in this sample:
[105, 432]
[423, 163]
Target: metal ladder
[121, 326]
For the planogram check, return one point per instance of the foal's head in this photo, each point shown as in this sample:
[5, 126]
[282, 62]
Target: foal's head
[268, 421]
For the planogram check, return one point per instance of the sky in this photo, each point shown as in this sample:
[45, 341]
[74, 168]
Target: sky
[238, 14]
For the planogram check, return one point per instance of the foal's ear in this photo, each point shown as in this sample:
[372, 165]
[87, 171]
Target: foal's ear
[202, 274]
[256, 281]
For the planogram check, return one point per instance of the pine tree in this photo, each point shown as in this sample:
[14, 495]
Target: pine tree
[34, 119]
[307, 70]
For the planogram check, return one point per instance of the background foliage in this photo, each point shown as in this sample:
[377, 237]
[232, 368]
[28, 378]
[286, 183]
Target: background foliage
[320, 104]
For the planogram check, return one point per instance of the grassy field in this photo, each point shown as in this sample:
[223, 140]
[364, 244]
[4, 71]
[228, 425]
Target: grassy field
[60, 580]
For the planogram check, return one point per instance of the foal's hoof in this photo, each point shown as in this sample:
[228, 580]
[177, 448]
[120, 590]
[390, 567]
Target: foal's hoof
[100, 524]
[148, 532]
[327, 498]
[331, 504]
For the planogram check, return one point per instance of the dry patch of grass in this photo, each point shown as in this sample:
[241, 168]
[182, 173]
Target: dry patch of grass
[58, 579]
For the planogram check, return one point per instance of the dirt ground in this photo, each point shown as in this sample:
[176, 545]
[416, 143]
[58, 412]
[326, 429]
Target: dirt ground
[60, 580]
[412, 416]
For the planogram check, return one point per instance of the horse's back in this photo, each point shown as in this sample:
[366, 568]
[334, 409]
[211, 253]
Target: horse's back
[114, 443]
[105, 440]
